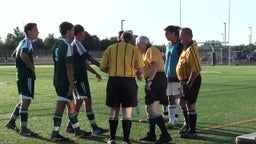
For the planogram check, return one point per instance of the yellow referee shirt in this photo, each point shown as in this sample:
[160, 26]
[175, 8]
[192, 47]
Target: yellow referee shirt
[153, 54]
[189, 61]
[122, 59]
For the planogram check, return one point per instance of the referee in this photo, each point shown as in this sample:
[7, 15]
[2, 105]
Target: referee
[188, 72]
[122, 61]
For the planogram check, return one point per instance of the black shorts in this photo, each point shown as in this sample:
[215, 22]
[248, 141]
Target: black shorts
[26, 87]
[62, 91]
[191, 94]
[82, 89]
[121, 91]
[158, 90]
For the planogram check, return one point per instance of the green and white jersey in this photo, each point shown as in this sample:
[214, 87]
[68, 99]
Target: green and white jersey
[80, 58]
[62, 55]
[26, 47]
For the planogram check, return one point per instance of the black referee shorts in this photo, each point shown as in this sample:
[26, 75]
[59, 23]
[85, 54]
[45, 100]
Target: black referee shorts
[158, 90]
[191, 94]
[122, 91]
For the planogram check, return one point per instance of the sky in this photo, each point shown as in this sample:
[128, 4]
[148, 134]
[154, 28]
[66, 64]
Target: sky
[208, 19]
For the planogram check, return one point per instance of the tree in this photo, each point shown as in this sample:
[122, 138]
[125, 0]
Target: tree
[104, 44]
[12, 40]
[49, 41]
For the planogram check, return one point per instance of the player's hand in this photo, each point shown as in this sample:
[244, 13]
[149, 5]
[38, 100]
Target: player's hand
[98, 77]
[148, 84]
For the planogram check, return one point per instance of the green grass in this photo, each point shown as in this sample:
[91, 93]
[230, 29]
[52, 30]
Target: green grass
[226, 107]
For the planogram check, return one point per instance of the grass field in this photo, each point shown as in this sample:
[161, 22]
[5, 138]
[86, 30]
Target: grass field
[226, 107]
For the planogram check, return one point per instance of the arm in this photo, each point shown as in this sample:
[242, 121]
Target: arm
[139, 72]
[27, 61]
[70, 73]
[192, 78]
[94, 61]
[104, 69]
[153, 71]
[90, 69]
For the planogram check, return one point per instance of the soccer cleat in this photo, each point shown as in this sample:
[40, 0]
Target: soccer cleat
[12, 126]
[164, 139]
[111, 141]
[58, 138]
[82, 134]
[99, 131]
[69, 130]
[148, 138]
[188, 135]
[27, 132]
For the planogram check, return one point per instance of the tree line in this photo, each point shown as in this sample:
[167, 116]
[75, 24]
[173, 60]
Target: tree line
[91, 42]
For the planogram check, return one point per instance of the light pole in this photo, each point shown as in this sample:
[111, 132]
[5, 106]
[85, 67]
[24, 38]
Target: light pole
[224, 39]
[250, 36]
[122, 21]
[250, 39]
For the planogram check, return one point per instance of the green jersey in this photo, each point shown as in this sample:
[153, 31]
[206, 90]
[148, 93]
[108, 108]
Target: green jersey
[80, 58]
[62, 55]
[23, 71]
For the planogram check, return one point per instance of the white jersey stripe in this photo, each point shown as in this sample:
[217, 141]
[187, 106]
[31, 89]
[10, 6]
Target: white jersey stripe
[69, 51]
[80, 48]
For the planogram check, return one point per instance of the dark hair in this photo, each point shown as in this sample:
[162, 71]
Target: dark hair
[78, 29]
[187, 31]
[29, 27]
[172, 28]
[64, 27]
[120, 33]
[127, 36]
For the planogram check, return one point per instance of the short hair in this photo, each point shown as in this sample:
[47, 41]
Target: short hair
[64, 27]
[143, 39]
[126, 36]
[29, 27]
[78, 29]
[172, 28]
[120, 33]
[187, 31]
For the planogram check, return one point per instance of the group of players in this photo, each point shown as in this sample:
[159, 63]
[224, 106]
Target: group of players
[177, 76]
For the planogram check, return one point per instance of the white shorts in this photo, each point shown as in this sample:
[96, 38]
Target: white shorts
[173, 88]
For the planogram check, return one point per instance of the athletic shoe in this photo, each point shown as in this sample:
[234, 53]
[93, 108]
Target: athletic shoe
[83, 134]
[69, 130]
[58, 138]
[148, 138]
[111, 141]
[27, 132]
[99, 131]
[188, 135]
[164, 139]
[12, 126]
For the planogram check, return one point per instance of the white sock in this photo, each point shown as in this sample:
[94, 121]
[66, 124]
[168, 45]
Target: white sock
[172, 110]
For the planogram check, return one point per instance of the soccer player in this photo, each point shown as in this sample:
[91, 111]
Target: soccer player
[63, 81]
[172, 53]
[122, 61]
[188, 71]
[82, 89]
[25, 79]
[155, 89]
